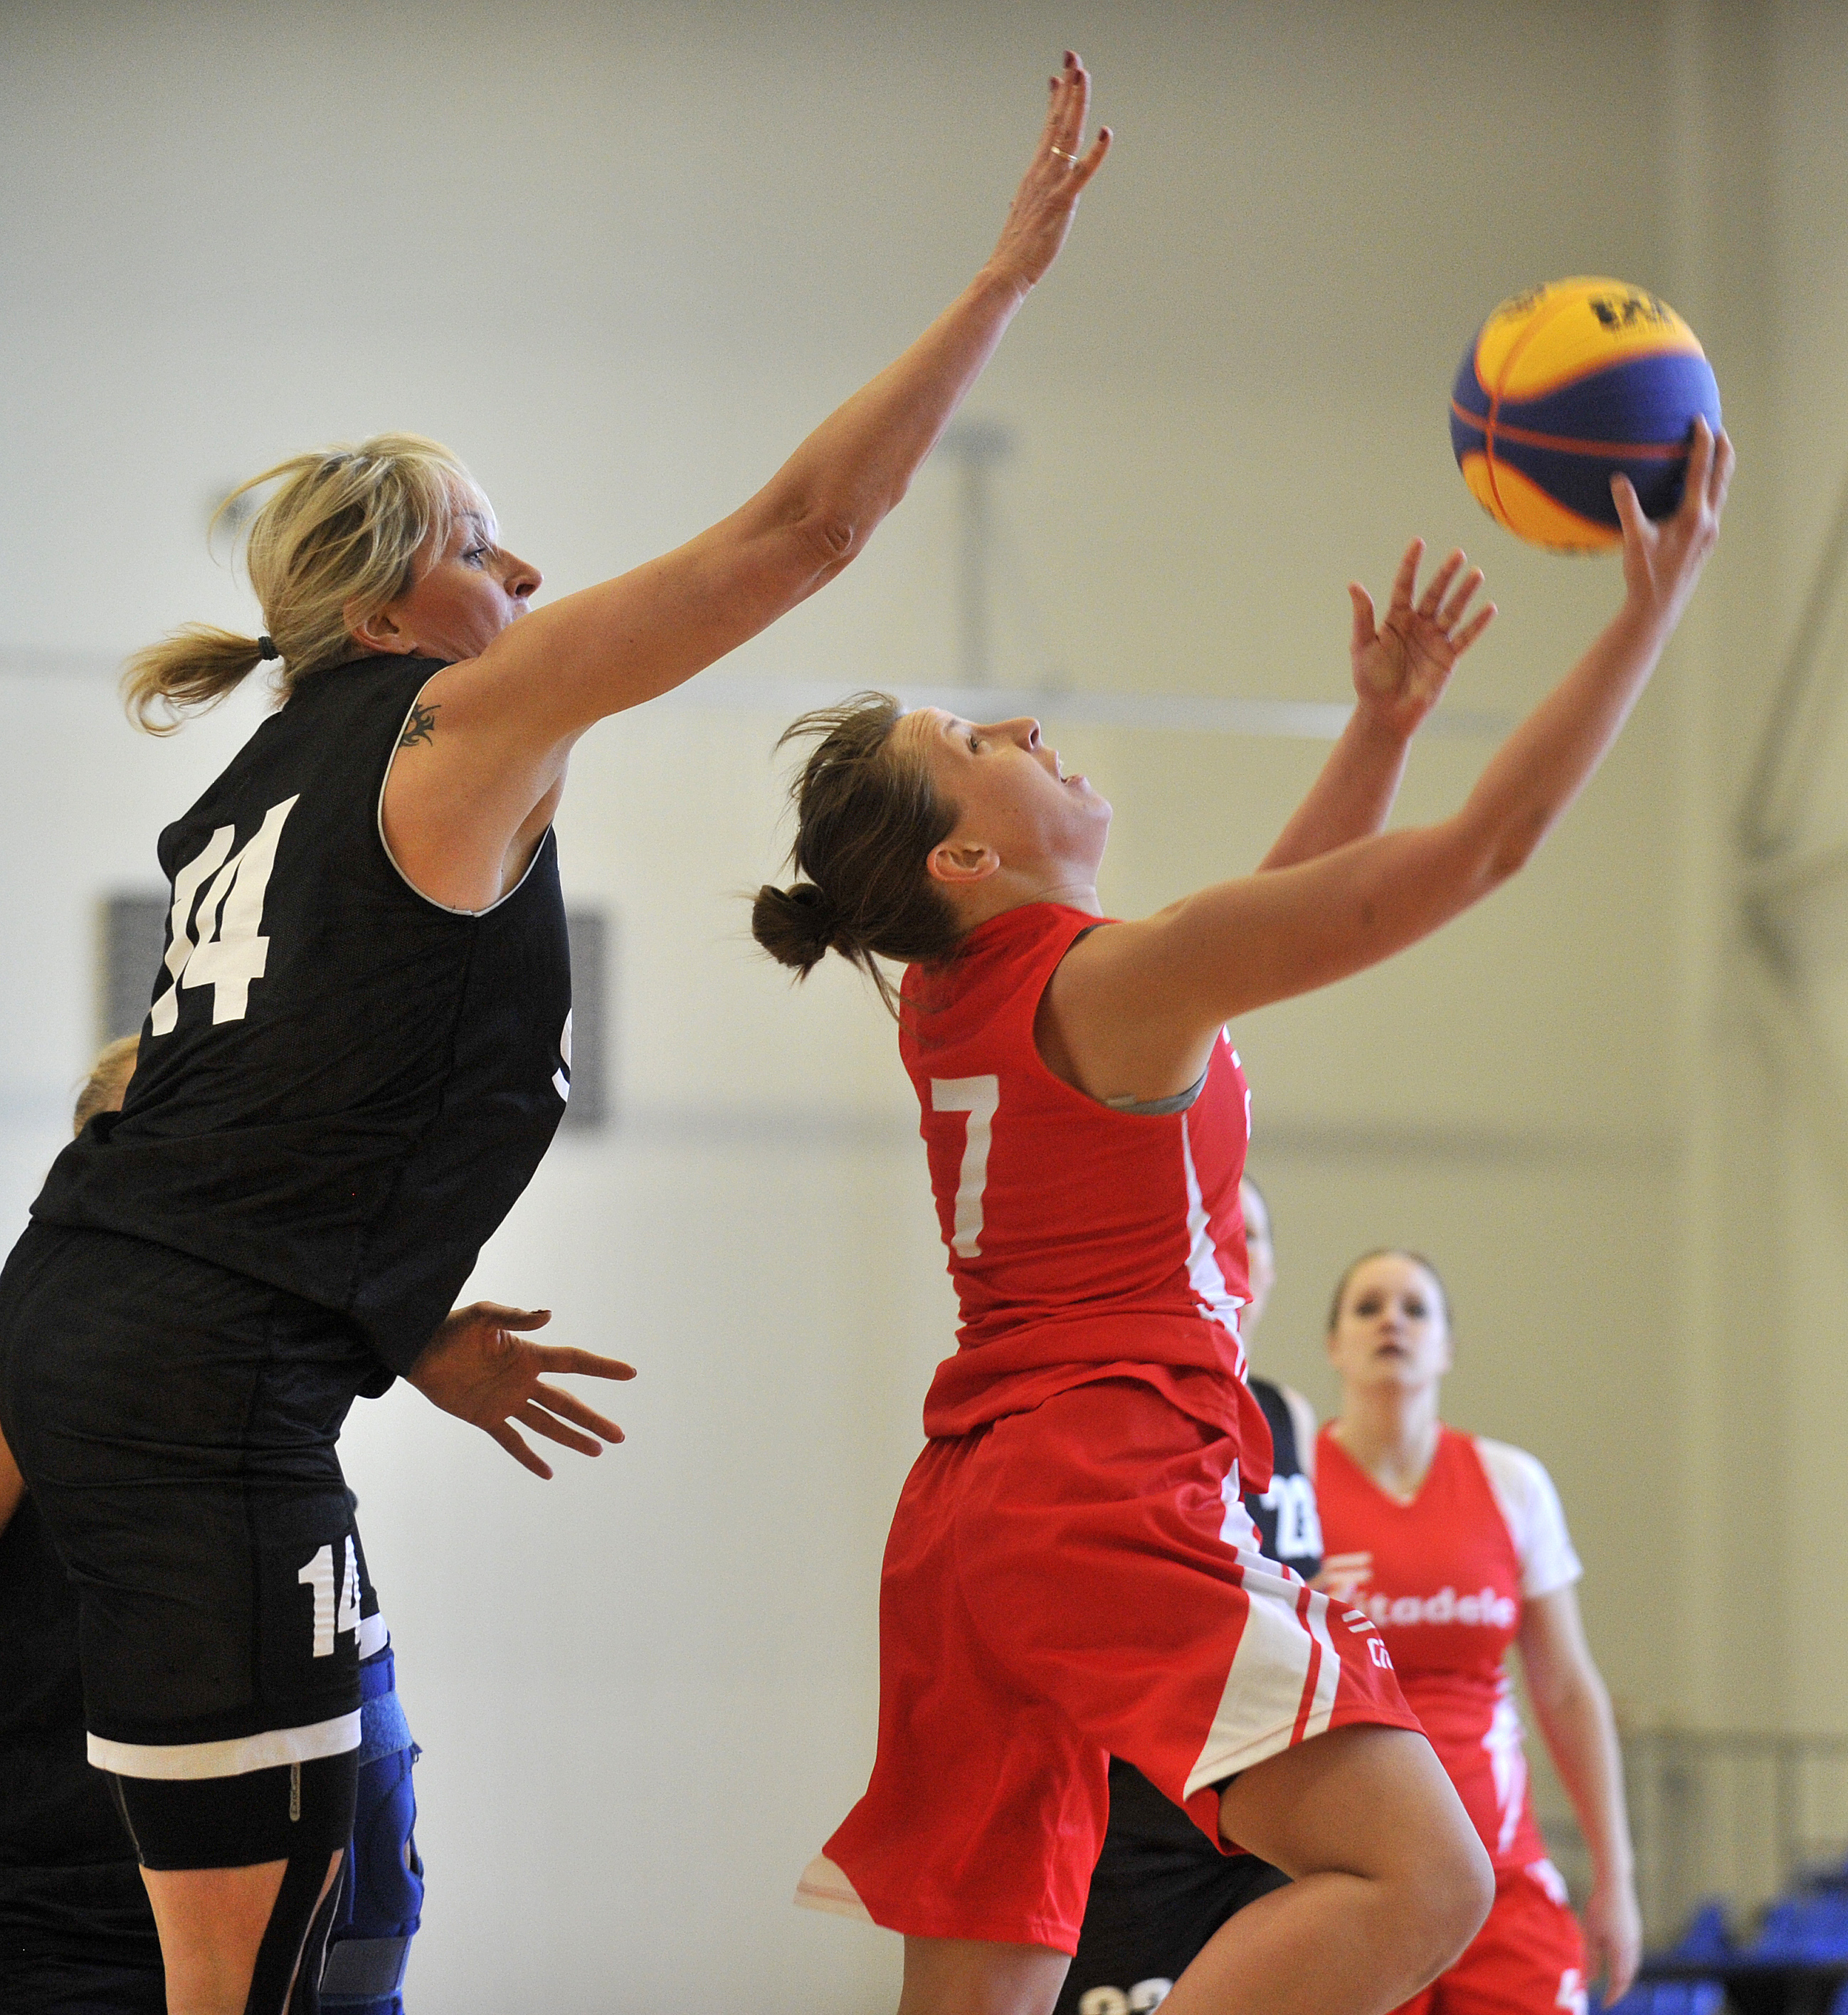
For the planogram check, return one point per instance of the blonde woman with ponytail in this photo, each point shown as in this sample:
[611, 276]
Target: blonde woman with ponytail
[357, 1049]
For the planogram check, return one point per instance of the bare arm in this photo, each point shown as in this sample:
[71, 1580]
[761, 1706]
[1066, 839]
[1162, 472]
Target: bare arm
[1401, 668]
[507, 718]
[12, 1485]
[1574, 1713]
[1135, 1006]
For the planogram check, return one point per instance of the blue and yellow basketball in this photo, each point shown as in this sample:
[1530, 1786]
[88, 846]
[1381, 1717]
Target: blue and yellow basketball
[1563, 387]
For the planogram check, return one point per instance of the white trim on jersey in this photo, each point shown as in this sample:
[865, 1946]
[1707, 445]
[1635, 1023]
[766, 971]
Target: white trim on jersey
[824, 1886]
[1505, 1742]
[236, 1757]
[1202, 1256]
[1530, 1509]
[372, 1634]
[448, 909]
[1285, 1672]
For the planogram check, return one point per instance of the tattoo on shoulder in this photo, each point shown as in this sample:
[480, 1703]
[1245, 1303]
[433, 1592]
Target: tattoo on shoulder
[421, 726]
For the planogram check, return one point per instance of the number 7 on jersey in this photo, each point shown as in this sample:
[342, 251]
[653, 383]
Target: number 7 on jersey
[978, 1096]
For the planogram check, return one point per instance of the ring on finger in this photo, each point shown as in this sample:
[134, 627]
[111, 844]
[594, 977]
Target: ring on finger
[1059, 153]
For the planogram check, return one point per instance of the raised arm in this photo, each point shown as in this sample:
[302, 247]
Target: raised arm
[500, 725]
[1401, 668]
[1574, 1712]
[1134, 1006]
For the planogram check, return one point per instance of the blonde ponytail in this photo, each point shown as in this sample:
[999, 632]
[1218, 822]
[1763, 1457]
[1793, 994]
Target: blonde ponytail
[185, 673]
[336, 542]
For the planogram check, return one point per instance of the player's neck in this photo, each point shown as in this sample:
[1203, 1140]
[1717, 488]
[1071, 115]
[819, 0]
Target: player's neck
[1393, 1435]
[1013, 888]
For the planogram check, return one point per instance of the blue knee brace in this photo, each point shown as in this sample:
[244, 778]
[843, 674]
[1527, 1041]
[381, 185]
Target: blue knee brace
[382, 1897]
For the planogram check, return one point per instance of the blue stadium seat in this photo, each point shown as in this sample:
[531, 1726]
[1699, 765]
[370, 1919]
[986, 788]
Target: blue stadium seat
[1673, 1997]
[1809, 1930]
[1706, 1942]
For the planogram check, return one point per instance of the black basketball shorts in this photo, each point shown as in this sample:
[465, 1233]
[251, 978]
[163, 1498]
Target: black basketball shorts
[1160, 1890]
[176, 1423]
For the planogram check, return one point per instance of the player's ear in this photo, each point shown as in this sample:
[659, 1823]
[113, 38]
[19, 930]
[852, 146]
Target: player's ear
[378, 631]
[961, 862]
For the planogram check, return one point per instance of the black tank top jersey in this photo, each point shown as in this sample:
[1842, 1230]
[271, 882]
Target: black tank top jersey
[1285, 1514]
[341, 1086]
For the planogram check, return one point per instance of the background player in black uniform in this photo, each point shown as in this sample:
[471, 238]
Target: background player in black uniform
[358, 1048]
[1160, 1889]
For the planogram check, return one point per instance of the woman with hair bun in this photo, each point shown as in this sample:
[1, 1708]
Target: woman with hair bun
[358, 1049]
[1456, 1548]
[1070, 1576]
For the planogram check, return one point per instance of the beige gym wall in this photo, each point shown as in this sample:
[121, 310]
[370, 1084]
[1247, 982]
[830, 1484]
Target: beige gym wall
[620, 258]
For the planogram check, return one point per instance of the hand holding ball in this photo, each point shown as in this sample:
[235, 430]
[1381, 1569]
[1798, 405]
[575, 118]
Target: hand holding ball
[1564, 387]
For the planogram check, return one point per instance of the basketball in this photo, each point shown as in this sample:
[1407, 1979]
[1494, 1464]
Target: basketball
[1563, 387]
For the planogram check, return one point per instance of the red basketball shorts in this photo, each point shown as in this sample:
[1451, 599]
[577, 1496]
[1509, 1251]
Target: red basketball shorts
[1067, 1584]
[1528, 1958]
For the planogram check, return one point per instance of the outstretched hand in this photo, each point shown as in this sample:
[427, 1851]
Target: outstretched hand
[1662, 562]
[1041, 214]
[478, 1369]
[1401, 666]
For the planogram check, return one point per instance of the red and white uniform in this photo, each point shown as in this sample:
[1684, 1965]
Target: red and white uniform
[1070, 1573]
[1445, 1578]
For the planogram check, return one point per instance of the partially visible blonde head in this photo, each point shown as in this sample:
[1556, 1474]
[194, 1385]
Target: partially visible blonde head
[107, 1085]
[336, 542]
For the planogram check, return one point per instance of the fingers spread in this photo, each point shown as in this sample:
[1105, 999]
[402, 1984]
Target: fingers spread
[1629, 512]
[1700, 466]
[521, 1452]
[1085, 169]
[507, 1318]
[556, 1358]
[1722, 476]
[1453, 609]
[1406, 579]
[572, 1408]
[1464, 638]
[1365, 625]
[1439, 585]
[542, 1423]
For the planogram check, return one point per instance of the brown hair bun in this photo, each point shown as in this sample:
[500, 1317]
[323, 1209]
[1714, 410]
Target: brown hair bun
[796, 926]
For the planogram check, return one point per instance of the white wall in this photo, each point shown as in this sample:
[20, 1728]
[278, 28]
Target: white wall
[620, 258]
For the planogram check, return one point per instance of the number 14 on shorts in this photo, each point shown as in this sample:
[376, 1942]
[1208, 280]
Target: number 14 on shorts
[331, 1617]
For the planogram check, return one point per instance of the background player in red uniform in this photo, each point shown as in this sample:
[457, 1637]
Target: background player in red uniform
[1059, 1583]
[1456, 1547]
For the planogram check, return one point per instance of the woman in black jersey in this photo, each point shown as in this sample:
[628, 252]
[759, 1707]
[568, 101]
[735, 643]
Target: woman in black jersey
[358, 1049]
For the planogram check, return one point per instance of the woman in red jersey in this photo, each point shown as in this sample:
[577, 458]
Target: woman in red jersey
[1070, 1574]
[1456, 1547]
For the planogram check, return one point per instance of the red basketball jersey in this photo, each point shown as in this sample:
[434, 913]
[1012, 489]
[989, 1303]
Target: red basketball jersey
[1444, 1577]
[1085, 1243]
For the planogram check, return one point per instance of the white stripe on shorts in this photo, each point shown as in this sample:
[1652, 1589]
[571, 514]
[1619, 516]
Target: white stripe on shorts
[824, 1886]
[1268, 1688]
[233, 1757]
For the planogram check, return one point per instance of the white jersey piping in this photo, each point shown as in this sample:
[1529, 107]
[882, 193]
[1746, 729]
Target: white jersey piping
[448, 909]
